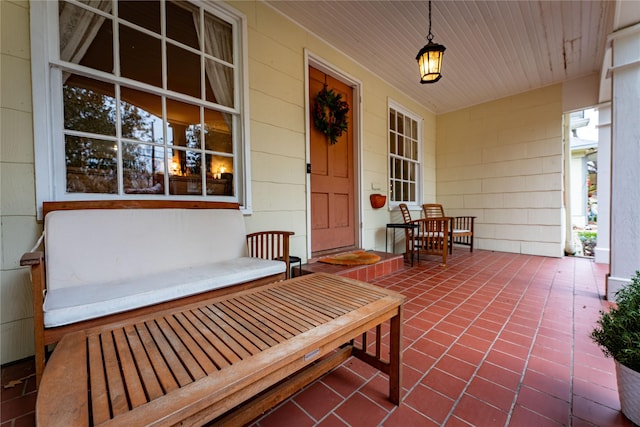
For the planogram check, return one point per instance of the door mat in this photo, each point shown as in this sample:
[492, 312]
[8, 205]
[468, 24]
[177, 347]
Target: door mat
[352, 258]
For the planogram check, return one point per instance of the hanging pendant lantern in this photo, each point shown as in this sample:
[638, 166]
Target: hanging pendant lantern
[430, 58]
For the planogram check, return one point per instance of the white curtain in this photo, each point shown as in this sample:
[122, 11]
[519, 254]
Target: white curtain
[218, 42]
[78, 28]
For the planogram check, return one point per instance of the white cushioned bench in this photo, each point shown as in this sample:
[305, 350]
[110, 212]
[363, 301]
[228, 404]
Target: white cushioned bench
[105, 259]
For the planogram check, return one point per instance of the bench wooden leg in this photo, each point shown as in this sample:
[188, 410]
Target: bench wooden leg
[395, 359]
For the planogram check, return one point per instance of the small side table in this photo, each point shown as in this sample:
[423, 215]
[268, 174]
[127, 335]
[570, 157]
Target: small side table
[293, 259]
[394, 227]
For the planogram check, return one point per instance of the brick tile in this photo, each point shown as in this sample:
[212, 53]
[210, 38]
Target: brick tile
[444, 383]
[429, 403]
[332, 421]
[598, 414]
[545, 404]
[406, 416]
[479, 413]
[492, 393]
[524, 417]
[319, 400]
[359, 411]
[287, 414]
[559, 388]
[499, 375]
[456, 367]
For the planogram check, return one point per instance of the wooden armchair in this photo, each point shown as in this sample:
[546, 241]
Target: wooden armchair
[270, 245]
[461, 231]
[428, 237]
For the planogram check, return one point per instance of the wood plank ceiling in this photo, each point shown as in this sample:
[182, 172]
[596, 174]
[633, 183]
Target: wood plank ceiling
[494, 48]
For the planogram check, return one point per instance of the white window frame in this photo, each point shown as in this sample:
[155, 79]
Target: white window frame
[419, 169]
[48, 108]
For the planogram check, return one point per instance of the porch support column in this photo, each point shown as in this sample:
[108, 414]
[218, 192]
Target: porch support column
[625, 158]
[602, 250]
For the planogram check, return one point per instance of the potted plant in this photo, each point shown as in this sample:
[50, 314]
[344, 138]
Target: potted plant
[618, 334]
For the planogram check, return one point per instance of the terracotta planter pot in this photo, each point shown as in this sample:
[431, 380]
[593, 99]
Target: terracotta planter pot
[629, 391]
[377, 200]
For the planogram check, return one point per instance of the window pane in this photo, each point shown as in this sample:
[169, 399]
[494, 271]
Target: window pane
[408, 153]
[218, 41]
[184, 172]
[406, 170]
[392, 143]
[392, 119]
[141, 115]
[91, 165]
[397, 191]
[414, 129]
[85, 37]
[218, 135]
[220, 175]
[398, 168]
[180, 23]
[89, 106]
[140, 57]
[142, 167]
[407, 126]
[184, 124]
[400, 145]
[183, 71]
[143, 13]
[400, 123]
[220, 87]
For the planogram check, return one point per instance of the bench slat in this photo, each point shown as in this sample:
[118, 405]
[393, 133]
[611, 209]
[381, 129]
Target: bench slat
[230, 327]
[129, 373]
[264, 332]
[188, 360]
[117, 394]
[299, 308]
[232, 351]
[147, 373]
[193, 349]
[266, 314]
[289, 314]
[99, 393]
[203, 337]
[160, 368]
[176, 369]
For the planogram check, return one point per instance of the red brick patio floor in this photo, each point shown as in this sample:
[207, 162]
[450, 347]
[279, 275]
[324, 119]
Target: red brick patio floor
[493, 339]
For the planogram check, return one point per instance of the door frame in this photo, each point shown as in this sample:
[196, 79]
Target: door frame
[315, 61]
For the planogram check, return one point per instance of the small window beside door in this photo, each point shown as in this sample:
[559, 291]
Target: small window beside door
[405, 169]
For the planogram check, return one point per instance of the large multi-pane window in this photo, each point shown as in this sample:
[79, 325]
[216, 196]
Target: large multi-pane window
[405, 134]
[142, 98]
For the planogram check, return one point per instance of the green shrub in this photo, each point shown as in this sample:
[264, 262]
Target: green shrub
[618, 330]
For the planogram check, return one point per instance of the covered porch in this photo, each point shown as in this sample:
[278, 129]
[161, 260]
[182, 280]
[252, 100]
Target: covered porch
[492, 339]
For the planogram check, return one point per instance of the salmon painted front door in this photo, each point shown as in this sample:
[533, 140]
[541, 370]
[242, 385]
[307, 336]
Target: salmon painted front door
[332, 175]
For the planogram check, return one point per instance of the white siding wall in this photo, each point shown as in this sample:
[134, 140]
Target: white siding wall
[19, 230]
[502, 162]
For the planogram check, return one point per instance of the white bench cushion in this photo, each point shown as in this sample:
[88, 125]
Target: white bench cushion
[73, 304]
[97, 246]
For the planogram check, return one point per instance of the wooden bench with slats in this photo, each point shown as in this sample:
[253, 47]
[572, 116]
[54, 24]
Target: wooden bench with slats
[225, 360]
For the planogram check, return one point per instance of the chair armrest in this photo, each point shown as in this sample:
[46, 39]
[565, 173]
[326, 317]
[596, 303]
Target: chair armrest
[32, 258]
[463, 222]
[270, 245]
[36, 261]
